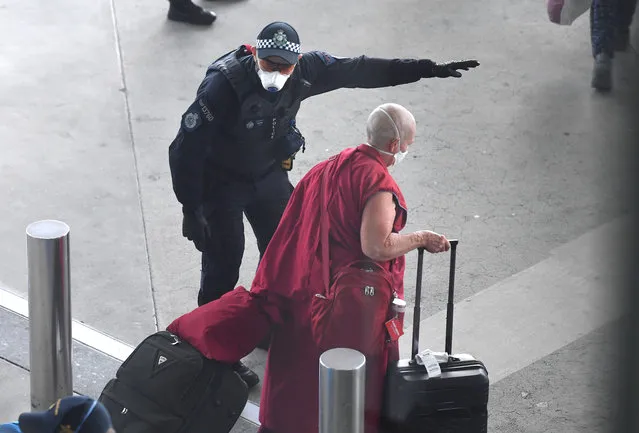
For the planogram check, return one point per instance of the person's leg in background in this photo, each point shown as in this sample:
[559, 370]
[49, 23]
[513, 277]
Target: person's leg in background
[188, 12]
[623, 18]
[265, 213]
[602, 26]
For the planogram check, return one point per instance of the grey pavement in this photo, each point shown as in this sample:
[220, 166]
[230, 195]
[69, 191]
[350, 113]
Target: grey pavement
[563, 392]
[15, 386]
[516, 159]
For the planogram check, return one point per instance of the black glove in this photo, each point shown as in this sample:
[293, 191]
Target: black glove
[196, 228]
[452, 69]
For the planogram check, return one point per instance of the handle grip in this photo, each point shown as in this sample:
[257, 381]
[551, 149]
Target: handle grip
[453, 244]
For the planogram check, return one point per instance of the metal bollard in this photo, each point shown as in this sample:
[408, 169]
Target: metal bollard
[49, 312]
[342, 380]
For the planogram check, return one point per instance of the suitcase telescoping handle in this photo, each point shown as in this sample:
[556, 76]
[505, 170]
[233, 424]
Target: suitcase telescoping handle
[451, 298]
[449, 306]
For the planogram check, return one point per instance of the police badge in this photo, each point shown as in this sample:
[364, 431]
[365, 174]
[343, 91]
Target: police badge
[191, 121]
[279, 38]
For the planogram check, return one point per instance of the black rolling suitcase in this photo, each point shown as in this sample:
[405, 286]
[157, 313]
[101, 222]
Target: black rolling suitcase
[167, 386]
[455, 402]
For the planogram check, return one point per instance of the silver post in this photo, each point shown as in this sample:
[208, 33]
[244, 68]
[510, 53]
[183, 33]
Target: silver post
[342, 380]
[49, 312]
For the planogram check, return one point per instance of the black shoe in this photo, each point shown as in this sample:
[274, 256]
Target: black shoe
[191, 13]
[621, 40]
[602, 73]
[246, 374]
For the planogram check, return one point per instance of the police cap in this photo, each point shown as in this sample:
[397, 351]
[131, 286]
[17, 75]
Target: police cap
[279, 39]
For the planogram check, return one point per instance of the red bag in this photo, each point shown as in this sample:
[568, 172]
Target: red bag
[353, 309]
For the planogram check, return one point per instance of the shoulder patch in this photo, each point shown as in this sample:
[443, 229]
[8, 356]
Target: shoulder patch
[197, 113]
[191, 120]
[326, 58]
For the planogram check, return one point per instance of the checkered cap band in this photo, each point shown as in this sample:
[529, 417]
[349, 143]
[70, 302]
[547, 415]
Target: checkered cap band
[270, 43]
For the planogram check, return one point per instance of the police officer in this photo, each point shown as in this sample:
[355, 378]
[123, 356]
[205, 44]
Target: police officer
[238, 140]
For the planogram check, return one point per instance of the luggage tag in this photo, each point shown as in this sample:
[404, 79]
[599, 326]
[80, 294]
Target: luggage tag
[441, 357]
[394, 328]
[430, 360]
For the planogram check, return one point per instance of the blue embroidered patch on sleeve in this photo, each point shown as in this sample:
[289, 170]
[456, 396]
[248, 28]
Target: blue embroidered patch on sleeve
[191, 121]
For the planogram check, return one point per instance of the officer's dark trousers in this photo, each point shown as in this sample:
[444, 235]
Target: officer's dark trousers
[228, 199]
[606, 17]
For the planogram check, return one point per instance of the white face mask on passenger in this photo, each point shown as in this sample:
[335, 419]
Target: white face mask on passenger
[397, 157]
[272, 81]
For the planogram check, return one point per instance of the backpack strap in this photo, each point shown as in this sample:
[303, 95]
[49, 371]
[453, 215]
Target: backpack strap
[235, 72]
[324, 229]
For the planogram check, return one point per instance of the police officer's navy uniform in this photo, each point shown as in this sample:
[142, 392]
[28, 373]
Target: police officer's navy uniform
[227, 158]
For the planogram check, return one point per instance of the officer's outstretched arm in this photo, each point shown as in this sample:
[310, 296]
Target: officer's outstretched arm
[327, 72]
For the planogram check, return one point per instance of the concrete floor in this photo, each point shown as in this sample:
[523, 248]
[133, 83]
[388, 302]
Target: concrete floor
[516, 159]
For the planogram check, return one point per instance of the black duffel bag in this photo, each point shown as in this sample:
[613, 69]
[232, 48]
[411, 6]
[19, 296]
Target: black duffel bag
[168, 386]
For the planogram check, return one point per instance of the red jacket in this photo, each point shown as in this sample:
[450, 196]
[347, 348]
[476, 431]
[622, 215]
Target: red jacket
[288, 276]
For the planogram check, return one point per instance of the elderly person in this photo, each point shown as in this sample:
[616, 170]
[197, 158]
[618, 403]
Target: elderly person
[366, 212]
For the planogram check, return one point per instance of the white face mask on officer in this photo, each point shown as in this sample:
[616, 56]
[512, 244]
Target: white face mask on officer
[272, 81]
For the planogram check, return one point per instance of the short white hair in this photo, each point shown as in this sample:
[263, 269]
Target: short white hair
[388, 122]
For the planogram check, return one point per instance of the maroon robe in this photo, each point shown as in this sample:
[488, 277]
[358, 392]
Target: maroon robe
[288, 276]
